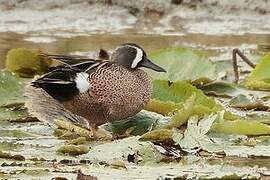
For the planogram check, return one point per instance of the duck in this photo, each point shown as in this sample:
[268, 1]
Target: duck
[91, 92]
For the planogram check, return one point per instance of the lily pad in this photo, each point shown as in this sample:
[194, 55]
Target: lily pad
[243, 102]
[188, 110]
[259, 78]
[74, 149]
[245, 127]
[162, 107]
[7, 146]
[14, 133]
[162, 135]
[17, 114]
[182, 64]
[6, 155]
[76, 130]
[11, 89]
[195, 135]
[78, 141]
[26, 62]
[179, 92]
[220, 89]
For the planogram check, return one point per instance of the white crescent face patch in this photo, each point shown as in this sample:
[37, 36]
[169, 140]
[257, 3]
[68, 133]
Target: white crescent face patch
[81, 81]
[138, 57]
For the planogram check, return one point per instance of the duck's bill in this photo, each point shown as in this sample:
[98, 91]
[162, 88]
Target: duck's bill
[149, 64]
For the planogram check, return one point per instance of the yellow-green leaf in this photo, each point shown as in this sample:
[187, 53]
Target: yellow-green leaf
[259, 78]
[26, 62]
[245, 127]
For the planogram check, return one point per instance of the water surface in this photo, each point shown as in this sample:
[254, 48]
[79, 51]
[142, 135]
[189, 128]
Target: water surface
[213, 45]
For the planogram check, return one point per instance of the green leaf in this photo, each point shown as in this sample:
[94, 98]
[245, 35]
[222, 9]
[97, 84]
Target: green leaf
[11, 89]
[14, 114]
[74, 149]
[182, 116]
[243, 102]
[7, 146]
[26, 62]
[245, 127]
[222, 89]
[182, 64]
[179, 92]
[14, 133]
[260, 76]
[162, 107]
[189, 109]
[162, 135]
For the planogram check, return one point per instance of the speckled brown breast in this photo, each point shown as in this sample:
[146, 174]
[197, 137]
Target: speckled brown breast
[116, 93]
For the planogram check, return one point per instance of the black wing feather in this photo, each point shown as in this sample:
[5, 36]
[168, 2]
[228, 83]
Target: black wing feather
[60, 82]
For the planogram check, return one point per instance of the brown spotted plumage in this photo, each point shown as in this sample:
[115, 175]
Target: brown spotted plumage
[108, 98]
[93, 92]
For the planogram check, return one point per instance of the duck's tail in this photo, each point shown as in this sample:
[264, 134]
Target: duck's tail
[44, 107]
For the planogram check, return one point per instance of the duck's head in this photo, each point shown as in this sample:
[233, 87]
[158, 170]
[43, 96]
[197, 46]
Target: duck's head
[132, 56]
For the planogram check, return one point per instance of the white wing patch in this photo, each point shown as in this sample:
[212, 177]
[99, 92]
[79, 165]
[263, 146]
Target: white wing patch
[138, 58]
[82, 82]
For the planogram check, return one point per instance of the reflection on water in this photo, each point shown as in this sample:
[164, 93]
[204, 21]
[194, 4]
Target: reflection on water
[213, 45]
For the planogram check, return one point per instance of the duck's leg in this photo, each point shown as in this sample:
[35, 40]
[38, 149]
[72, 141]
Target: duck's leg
[99, 133]
[93, 129]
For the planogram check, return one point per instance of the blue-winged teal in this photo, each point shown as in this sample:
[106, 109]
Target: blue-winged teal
[93, 92]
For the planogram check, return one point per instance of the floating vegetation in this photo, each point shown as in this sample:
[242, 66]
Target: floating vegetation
[193, 121]
[26, 62]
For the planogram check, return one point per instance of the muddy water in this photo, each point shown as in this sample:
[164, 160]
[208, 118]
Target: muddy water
[212, 44]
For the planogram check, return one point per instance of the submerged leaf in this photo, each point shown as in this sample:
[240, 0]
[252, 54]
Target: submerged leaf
[26, 62]
[6, 155]
[7, 146]
[78, 141]
[11, 89]
[15, 133]
[182, 64]
[15, 114]
[35, 172]
[241, 101]
[74, 149]
[139, 124]
[12, 114]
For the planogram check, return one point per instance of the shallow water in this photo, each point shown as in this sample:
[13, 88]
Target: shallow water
[213, 45]
[45, 144]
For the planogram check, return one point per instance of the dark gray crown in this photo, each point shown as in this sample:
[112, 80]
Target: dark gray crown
[132, 56]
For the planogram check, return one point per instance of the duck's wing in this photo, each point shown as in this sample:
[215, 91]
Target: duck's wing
[68, 59]
[68, 80]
